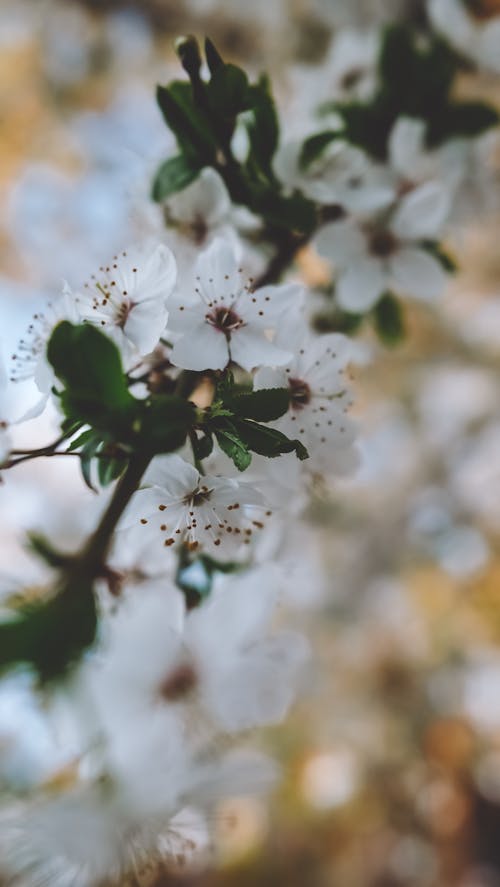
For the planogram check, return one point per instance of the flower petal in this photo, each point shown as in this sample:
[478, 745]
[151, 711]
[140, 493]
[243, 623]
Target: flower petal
[422, 213]
[203, 348]
[418, 273]
[361, 285]
[250, 348]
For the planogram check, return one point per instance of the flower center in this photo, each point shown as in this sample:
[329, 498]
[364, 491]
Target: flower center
[483, 9]
[123, 311]
[300, 393]
[383, 244]
[351, 78]
[225, 319]
[198, 496]
[181, 681]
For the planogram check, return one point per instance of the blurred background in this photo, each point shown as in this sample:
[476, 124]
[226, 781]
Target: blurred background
[391, 759]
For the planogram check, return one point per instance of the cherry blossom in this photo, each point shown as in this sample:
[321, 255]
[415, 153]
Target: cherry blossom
[320, 397]
[202, 512]
[224, 319]
[476, 38]
[381, 254]
[128, 298]
[341, 174]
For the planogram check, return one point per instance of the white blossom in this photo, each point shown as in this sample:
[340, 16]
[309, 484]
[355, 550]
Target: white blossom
[202, 512]
[380, 255]
[224, 319]
[476, 38]
[128, 298]
[202, 209]
[5, 440]
[320, 397]
[340, 174]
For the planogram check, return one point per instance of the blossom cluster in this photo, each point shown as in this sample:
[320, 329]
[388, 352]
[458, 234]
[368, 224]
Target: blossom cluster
[197, 377]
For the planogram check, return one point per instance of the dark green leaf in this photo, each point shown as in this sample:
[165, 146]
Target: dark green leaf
[173, 175]
[389, 320]
[202, 446]
[44, 549]
[262, 125]
[228, 91]
[435, 249]
[214, 60]
[314, 146]
[232, 445]
[265, 405]
[188, 124]
[165, 424]
[50, 636]
[267, 441]
[89, 365]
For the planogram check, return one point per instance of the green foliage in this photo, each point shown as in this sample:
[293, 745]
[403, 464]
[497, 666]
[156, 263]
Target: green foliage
[314, 146]
[52, 634]
[435, 249]
[173, 175]
[203, 116]
[96, 394]
[89, 365]
[415, 80]
[388, 319]
[265, 405]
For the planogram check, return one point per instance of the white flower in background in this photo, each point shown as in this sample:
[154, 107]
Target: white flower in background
[319, 397]
[224, 319]
[409, 157]
[223, 665]
[128, 298]
[388, 254]
[350, 69]
[201, 512]
[202, 209]
[29, 361]
[341, 174]
[478, 38]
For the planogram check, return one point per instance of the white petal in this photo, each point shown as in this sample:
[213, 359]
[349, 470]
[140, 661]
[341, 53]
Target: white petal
[267, 304]
[203, 348]
[250, 349]
[341, 242]
[422, 213]
[206, 198]
[270, 378]
[361, 285]
[418, 273]
[146, 323]
[407, 145]
[173, 474]
[217, 270]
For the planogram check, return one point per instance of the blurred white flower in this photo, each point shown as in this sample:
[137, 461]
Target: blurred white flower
[477, 38]
[202, 210]
[341, 174]
[375, 257]
[226, 320]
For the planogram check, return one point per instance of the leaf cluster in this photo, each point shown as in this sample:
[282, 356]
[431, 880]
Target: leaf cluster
[203, 116]
[415, 79]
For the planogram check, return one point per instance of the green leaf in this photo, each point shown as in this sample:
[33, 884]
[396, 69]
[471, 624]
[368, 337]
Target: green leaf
[173, 175]
[214, 59]
[109, 467]
[166, 421]
[202, 446]
[262, 125]
[314, 146]
[389, 320]
[81, 440]
[44, 549]
[295, 213]
[267, 441]
[50, 636]
[191, 129]
[438, 252]
[465, 119]
[89, 365]
[232, 445]
[265, 405]
[228, 91]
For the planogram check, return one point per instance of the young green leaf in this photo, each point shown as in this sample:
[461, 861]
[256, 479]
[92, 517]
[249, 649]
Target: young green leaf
[389, 320]
[265, 405]
[233, 446]
[174, 175]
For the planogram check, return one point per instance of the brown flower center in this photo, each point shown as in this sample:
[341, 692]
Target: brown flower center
[300, 393]
[383, 244]
[225, 319]
[181, 681]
